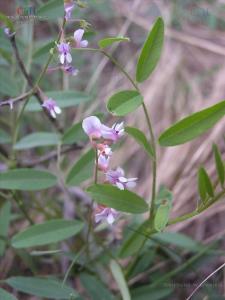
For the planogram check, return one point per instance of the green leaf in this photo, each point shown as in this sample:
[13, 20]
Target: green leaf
[162, 216]
[95, 288]
[63, 99]
[52, 10]
[37, 139]
[5, 55]
[124, 102]
[41, 287]
[5, 217]
[135, 241]
[192, 126]
[120, 280]
[139, 136]
[7, 22]
[74, 134]
[151, 51]
[26, 180]
[82, 169]
[204, 184]
[6, 296]
[122, 200]
[219, 164]
[43, 50]
[4, 137]
[111, 40]
[8, 84]
[52, 231]
[147, 292]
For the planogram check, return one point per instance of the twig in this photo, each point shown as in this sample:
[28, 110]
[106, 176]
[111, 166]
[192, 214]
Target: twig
[16, 99]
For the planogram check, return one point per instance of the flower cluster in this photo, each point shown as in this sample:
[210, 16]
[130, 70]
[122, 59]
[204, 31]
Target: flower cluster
[102, 137]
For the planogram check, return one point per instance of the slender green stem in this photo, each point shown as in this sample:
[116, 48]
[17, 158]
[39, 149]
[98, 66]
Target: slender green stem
[22, 207]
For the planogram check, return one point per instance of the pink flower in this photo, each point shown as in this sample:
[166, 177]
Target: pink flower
[92, 127]
[103, 162]
[52, 107]
[68, 7]
[114, 133]
[70, 70]
[116, 178]
[64, 53]
[104, 150]
[78, 35]
[104, 213]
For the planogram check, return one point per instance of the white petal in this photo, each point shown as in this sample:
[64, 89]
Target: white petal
[120, 171]
[52, 112]
[132, 179]
[57, 110]
[120, 185]
[122, 179]
[110, 219]
[91, 125]
[62, 58]
[68, 58]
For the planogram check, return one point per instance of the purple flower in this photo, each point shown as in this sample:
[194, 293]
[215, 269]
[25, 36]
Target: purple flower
[92, 127]
[8, 33]
[64, 53]
[103, 162]
[78, 35]
[52, 107]
[71, 70]
[103, 213]
[68, 7]
[116, 178]
[114, 133]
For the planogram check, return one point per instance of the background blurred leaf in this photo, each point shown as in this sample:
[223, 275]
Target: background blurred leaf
[6, 296]
[53, 9]
[74, 134]
[162, 216]
[106, 42]
[124, 102]
[8, 84]
[52, 231]
[5, 217]
[82, 169]
[122, 200]
[146, 292]
[151, 51]
[120, 280]
[26, 180]
[63, 98]
[95, 288]
[41, 287]
[192, 126]
[37, 139]
[4, 137]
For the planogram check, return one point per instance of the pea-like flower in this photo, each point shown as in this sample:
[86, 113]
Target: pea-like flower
[116, 178]
[103, 213]
[78, 35]
[52, 107]
[92, 127]
[64, 53]
[103, 162]
[114, 133]
[68, 7]
[71, 70]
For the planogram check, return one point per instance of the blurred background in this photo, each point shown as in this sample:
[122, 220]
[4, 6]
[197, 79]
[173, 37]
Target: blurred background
[189, 77]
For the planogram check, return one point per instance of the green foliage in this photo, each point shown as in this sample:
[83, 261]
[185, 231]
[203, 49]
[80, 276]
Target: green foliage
[37, 139]
[124, 102]
[192, 126]
[81, 169]
[120, 280]
[162, 216]
[52, 231]
[51, 10]
[74, 134]
[41, 287]
[4, 137]
[6, 296]
[205, 187]
[7, 22]
[5, 214]
[147, 292]
[140, 137]
[106, 42]
[122, 200]
[26, 180]
[219, 164]
[151, 51]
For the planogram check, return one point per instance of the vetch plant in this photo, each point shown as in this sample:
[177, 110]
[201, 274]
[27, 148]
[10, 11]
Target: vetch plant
[90, 255]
